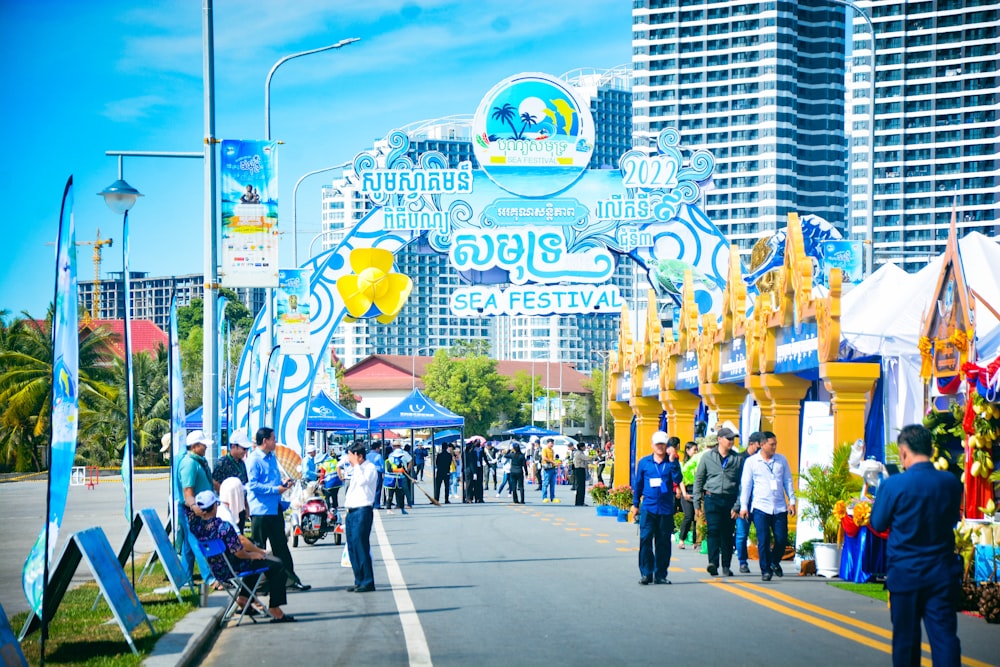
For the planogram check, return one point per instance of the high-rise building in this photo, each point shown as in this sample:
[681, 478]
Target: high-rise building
[761, 86]
[151, 296]
[426, 323]
[937, 140]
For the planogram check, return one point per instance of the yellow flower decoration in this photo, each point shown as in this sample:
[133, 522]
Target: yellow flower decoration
[862, 513]
[840, 510]
[373, 290]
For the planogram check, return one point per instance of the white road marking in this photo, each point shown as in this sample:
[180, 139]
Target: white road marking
[413, 631]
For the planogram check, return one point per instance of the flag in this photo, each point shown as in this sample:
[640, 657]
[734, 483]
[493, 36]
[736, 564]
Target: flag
[223, 365]
[178, 434]
[65, 405]
[129, 386]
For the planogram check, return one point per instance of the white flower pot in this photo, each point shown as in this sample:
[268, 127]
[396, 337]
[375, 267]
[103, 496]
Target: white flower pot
[827, 559]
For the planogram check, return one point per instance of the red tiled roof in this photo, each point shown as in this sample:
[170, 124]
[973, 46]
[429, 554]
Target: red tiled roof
[146, 336]
[393, 371]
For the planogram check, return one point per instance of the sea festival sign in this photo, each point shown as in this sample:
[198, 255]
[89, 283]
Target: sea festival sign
[533, 231]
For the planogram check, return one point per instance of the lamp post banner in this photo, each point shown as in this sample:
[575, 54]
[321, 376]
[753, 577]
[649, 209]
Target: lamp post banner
[65, 405]
[292, 297]
[249, 213]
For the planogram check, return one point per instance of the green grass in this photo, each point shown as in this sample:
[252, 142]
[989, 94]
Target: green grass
[875, 591]
[79, 636]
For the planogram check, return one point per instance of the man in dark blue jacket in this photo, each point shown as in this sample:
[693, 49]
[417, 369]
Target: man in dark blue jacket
[653, 499]
[920, 509]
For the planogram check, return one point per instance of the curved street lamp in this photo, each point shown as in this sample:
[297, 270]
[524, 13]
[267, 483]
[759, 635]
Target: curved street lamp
[295, 218]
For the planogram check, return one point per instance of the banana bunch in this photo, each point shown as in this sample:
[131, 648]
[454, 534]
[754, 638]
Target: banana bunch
[990, 508]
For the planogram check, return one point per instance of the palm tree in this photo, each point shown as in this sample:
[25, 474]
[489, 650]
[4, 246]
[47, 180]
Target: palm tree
[106, 430]
[506, 114]
[528, 121]
[26, 387]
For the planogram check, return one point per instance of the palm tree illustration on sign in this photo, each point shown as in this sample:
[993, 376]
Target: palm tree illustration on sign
[528, 121]
[505, 114]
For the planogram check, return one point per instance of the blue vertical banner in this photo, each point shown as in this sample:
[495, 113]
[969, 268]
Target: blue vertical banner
[178, 434]
[249, 213]
[271, 383]
[127, 450]
[224, 401]
[65, 405]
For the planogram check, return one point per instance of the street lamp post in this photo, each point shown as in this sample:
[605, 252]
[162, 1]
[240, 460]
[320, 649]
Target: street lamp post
[604, 356]
[120, 197]
[870, 227]
[413, 365]
[295, 219]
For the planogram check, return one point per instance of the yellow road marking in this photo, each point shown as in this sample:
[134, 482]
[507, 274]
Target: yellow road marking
[868, 627]
[623, 549]
[602, 535]
[825, 625]
[571, 529]
[572, 523]
[603, 541]
[545, 518]
[622, 541]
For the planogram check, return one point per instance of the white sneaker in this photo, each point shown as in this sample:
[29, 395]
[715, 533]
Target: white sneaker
[498, 495]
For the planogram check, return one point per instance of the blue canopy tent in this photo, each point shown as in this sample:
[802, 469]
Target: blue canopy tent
[532, 430]
[451, 435]
[194, 420]
[415, 412]
[325, 414]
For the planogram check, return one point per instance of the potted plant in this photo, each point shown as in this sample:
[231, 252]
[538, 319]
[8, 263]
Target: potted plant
[621, 498]
[599, 494]
[822, 487]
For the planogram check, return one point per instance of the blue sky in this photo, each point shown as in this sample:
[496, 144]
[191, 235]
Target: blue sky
[82, 78]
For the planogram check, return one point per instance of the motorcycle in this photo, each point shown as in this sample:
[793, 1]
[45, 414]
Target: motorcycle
[312, 518]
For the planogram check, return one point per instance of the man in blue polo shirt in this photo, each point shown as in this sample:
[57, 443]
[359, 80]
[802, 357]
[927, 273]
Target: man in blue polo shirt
[920, 509]
[653, 494]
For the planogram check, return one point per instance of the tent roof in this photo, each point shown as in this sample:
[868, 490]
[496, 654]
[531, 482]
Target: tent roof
[194, 420]
[882, 315]
[325, 414]
[416, 411]
[531, 430]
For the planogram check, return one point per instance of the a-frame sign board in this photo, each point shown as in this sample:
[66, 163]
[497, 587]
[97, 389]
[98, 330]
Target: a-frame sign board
[92, 546]
[10, 650]
[163, 548]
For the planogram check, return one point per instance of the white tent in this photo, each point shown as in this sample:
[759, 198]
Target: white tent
[882, 317]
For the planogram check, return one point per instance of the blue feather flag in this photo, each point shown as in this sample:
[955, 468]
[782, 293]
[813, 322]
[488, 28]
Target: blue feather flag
[65, 405]
[178, 433]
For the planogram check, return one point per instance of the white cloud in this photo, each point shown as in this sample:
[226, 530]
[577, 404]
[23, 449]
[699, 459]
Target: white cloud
[131, 109]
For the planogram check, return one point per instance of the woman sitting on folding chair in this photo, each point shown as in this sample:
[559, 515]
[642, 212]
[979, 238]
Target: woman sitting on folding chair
[243, 555]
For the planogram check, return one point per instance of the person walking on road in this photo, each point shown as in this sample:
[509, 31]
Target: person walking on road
[717, 496]
[359, 501]
[549, 466]
[264, 489]
[754, 442]
[687, 505]
[764, 485]
[518, 470]
[398, 464]
[920, 509]
[653, 491]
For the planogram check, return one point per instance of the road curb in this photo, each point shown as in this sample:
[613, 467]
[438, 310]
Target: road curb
[185, 642]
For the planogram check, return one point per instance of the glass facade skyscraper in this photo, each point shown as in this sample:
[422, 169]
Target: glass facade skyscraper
[761, 86]
[937, 140]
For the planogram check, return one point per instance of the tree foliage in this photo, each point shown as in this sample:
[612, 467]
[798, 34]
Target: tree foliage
[469, 386]
[593, 402]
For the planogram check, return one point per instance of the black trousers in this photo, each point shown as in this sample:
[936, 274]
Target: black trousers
[276, 576]
[441, 479]
[580, 477]
[271, 528]
[688, 523]
[721, 529]
[517, 486]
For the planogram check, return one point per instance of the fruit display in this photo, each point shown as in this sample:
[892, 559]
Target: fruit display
[986, 427]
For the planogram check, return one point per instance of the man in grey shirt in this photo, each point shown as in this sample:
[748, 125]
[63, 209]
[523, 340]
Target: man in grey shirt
[717, 496]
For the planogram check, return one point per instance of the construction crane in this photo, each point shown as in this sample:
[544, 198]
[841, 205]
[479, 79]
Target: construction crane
[95, 304]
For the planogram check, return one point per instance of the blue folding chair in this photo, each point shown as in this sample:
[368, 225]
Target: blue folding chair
[236, 583]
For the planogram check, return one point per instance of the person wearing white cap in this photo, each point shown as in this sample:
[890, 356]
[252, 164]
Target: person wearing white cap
[193, 470]
[234, 463]
[653, 491]
[308, 466]
[244, 555]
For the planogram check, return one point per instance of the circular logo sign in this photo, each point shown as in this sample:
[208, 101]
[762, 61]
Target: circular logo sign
[532, 135]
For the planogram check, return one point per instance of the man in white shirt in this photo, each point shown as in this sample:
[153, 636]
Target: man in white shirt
[359, 501]
[766, 481]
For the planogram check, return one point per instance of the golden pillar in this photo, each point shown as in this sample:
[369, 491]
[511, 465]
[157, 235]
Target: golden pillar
[647, 422]
[680, 406]
[622, 413]
[848, 384]
[726, 400]
[754, 384]
[786, 392]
